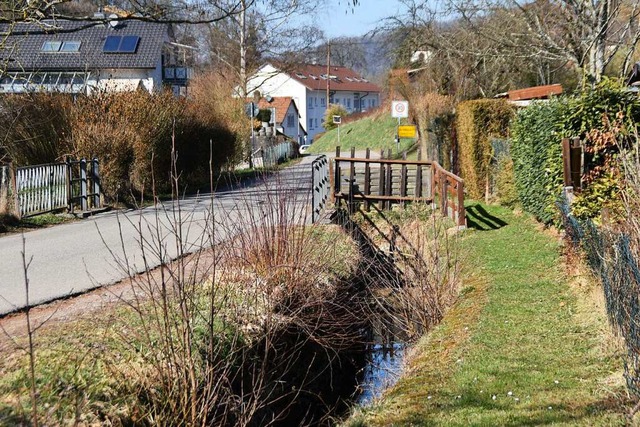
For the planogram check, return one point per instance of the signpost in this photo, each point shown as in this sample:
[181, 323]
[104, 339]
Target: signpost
[407, 131]
[251, 109]
[337, 120]
[399, 110]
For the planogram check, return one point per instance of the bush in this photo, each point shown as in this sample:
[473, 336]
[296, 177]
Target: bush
[333, 110]
[505, 183]
[477, 122]
[34, 127]
[131, 133]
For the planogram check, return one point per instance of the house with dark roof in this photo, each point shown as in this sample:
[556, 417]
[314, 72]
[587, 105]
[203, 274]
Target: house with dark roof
[307, 85]
[285, 117]
[92, 56]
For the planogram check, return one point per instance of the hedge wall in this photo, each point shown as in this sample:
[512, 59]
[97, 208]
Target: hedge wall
[605, 119]
[477, 122]
[537, 157]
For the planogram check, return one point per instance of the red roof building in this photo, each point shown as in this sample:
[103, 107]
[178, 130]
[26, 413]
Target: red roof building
[308, 84]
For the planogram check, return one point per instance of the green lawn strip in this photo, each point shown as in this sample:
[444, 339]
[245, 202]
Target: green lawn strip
[532, 353]
[376, 132]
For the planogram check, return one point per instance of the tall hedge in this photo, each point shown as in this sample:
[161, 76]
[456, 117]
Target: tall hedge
[537, 156]
[605, 119]
[477, 122]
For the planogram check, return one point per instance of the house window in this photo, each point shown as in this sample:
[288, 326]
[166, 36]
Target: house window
[356, 101]
[310, 103]
[322, 102]
[348, 102]
[290, 121]
[316, 122]
[310, 123]
[315, 101]
[121, 44]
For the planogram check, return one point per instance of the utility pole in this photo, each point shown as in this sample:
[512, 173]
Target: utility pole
[328, 71]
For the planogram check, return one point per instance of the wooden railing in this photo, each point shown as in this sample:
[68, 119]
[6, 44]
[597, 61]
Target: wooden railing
[448, 190]
[386, 181]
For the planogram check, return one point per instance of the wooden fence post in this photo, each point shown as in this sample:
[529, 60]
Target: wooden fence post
[381, 181]
[336, 180]
[95, 180]
[13, 174]
[83, 184]
[352, 181]
[367, 180]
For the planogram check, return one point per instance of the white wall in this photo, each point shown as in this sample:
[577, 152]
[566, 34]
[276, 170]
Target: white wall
[269, 81]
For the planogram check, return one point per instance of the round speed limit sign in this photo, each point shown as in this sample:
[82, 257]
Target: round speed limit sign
[400, 109]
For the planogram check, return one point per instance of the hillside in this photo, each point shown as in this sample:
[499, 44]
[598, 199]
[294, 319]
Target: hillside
[375, 132]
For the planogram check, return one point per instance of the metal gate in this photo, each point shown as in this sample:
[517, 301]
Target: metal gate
[321, 186]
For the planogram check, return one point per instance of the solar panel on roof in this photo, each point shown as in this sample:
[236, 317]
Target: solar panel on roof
[129, 44]
[112, 43]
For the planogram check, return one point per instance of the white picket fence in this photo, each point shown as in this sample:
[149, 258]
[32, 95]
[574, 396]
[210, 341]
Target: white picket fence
[42, 188]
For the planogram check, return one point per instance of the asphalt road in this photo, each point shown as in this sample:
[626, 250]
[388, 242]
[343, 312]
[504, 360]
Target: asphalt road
[75, 257]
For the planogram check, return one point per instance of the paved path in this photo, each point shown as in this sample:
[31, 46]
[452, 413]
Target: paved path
[72, 258]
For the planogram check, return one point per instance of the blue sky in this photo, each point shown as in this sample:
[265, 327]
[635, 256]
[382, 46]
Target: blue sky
[337, 20]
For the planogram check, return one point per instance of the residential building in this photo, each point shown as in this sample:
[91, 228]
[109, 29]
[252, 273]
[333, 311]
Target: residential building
[92, 56]
[285, 116]
[307, 85]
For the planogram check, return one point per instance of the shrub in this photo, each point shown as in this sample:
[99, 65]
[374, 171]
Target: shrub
[505, 183]
[333, 110]
[477, 121]
[34, 127]
[432, 114]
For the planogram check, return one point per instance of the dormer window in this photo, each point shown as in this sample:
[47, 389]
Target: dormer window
[301, 76]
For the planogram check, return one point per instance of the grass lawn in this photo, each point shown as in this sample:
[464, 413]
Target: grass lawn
[375, 132]
[526, 344]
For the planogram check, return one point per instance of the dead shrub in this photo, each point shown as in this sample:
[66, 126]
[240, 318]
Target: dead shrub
[34, 127]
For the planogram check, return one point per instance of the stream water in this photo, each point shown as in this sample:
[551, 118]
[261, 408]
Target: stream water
[383, 368]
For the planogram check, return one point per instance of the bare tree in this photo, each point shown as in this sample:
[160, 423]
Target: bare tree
[586, 35]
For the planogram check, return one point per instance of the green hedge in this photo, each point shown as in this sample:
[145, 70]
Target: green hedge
[605, 119]
[476, 123]
[537, 157]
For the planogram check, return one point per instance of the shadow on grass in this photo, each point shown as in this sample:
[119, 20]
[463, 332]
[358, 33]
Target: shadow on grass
[478, 218]
[481, 410]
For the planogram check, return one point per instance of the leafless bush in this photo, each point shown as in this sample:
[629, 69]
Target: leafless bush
[426, 257]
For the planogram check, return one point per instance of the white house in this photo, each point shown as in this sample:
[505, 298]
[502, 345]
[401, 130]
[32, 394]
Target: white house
[107, 54]
[307, 85]
[285, 116]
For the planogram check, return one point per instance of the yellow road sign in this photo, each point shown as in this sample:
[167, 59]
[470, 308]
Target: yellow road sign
[407, 131]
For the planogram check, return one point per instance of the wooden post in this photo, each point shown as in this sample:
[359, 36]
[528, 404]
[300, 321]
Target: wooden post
[434, 185]
[367, 180]
[444, 196]
[83, 183]
[576, 164]
[336, 180]
[14, 190]
[352, 181]
[403, 179]
[381, 181]
[566, 162]
[389, 184]
[418, 189]
[462, 216]
[95, 180]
